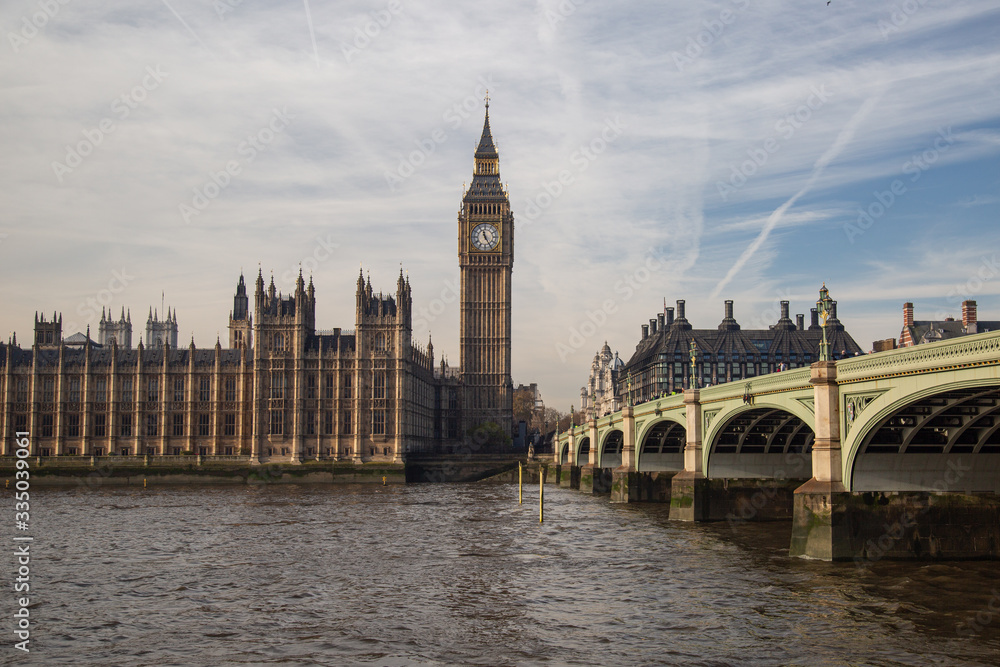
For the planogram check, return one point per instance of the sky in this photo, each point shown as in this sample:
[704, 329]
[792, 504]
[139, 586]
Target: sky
[653, 151]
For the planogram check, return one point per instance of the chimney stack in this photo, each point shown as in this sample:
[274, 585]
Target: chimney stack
[670, 316]
[645, 331]
[729, 309]
[680, 309]
[660, 318]
[813, 318]
[652, 326]
[784, 310]
[800, 322]
[908, 314]
[969, 316]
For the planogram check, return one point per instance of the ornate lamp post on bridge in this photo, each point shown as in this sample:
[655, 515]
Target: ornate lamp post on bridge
[693, 384]
[824, 307]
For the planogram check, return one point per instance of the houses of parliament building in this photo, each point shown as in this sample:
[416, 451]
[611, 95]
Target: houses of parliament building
[282, 390]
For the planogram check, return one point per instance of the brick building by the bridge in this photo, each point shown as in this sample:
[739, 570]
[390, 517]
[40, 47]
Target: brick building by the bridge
[661, 363]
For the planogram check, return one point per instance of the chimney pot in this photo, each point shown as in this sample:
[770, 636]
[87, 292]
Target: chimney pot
[652, 326]
[680, 309]
[729, 309]
[800, 321]
[908, 314]
[784, 310]
[670, 316]
[645, 331]
[969, 316]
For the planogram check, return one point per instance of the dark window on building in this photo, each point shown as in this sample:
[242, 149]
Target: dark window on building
[378, 385]
[125, 393]
[277, 385]
[74, 390]
[204, 389]
[178, 389]
[328, 422]
[152, 425]
[310, 386]
[329, 387]
[348, 389]
[204, 425]
[178, 424]
[100, 426]
[48, 394]
[73, 426]
[230, 424]
[277, 422]
[347, 423]
[22, 390]
[47, 421]
[230, 389]
[153, 390]
[310, 423]
[125, 427]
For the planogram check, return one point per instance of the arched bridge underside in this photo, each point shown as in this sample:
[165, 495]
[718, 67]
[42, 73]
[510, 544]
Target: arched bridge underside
[611, 452]
[948, 441]
[662, 448]
[762, 443]
[583, 451]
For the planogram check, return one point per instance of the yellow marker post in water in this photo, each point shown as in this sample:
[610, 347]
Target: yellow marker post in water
[541, 495]
[520, 483]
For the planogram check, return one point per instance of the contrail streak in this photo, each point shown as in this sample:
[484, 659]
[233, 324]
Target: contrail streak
[844, 138]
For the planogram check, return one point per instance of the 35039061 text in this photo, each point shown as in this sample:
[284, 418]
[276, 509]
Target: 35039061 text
[22, 543]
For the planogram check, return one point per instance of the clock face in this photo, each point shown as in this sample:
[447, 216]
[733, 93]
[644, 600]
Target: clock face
[485, 236]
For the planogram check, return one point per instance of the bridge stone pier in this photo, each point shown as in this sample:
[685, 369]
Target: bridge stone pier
[895, 454]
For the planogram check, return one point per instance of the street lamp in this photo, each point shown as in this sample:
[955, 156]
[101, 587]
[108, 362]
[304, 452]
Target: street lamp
[694, 358]
[824, 307]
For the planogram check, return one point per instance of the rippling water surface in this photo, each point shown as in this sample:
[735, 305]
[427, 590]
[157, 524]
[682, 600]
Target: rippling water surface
[461, 574]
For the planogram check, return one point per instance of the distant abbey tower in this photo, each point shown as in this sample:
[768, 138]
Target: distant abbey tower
[486, 258]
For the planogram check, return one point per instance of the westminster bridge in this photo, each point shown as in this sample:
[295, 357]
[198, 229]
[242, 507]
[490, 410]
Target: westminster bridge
[891, 454]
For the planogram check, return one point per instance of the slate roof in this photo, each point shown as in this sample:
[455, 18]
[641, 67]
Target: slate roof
[784, 339]
[929, 331]
[486, 187]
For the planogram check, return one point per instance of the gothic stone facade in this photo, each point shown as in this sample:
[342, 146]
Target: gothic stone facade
[299, 394]
[486, 258]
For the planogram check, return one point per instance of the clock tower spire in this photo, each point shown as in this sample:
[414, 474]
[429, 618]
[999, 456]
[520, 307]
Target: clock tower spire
[486, 259]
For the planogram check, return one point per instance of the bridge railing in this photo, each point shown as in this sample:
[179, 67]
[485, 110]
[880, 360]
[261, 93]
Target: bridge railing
[796, 378]
[974, 349]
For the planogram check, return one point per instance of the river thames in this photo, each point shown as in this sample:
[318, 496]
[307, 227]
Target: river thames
[455, 574]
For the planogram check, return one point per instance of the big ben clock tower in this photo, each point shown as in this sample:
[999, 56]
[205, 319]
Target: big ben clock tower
[486, 257]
